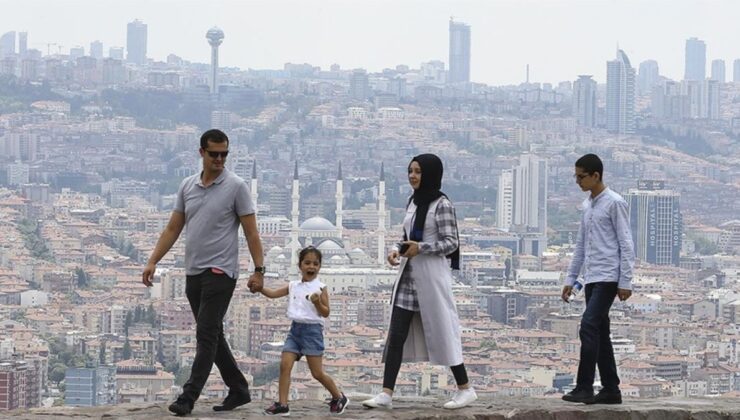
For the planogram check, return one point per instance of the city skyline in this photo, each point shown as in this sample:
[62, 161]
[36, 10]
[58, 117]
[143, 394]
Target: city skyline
[347, 33]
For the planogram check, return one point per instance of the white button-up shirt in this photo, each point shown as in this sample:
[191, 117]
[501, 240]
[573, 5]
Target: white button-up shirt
[604, 248]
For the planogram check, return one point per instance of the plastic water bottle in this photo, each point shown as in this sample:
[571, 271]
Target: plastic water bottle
[577, 286]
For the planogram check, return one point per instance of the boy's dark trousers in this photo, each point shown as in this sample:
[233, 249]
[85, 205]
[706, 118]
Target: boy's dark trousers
[596, 343]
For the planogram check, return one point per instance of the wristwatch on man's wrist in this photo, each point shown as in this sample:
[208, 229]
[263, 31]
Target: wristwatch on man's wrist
[260, 269]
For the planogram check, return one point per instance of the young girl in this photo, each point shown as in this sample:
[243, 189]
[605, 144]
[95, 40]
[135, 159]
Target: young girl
[307, 308]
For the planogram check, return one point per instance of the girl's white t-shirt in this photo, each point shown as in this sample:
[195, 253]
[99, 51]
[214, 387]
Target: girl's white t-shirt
[301, 309]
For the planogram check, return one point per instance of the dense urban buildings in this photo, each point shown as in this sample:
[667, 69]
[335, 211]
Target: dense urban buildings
[94, 143]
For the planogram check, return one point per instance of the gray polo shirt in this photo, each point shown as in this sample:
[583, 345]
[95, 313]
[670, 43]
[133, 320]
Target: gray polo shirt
[212, 221]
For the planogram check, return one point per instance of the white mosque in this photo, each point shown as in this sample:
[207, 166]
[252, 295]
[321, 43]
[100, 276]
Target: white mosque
[343, 268]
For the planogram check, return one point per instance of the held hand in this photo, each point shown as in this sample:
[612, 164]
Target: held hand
[148, 274]
[566, 293]
[393, 258]
[413, 249]
[624, 294]
[314, 298]
[256, 282]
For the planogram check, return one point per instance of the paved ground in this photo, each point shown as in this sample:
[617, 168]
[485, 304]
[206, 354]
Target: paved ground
[421, 408]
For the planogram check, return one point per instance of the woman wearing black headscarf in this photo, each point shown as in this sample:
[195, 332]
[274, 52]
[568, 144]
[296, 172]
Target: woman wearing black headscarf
[424, 324]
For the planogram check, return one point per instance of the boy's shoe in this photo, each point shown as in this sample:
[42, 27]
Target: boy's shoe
[181, 406]
[277, 409]
[579, 396]
[461, 398]
[381, 400]
[607, 397]
[233, 400]
[337, 405]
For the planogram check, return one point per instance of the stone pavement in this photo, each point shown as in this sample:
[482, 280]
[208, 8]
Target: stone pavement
[422, 408]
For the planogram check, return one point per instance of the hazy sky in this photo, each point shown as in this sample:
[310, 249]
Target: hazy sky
[560, 39]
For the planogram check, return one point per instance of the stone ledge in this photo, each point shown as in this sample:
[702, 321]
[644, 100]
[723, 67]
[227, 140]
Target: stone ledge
[424, 408]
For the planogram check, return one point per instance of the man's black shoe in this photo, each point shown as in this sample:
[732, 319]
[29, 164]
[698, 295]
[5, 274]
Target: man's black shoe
[232, 401]
[579, 396]
[607, 397]
[181, 406]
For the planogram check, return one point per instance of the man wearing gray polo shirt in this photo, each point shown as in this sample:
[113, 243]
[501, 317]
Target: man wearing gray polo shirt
[212, 205]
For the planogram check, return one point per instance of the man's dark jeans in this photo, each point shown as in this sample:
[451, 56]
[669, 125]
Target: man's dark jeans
[596, 343]
[209, 295]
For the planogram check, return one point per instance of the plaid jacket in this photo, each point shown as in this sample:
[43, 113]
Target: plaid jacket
[445, 243]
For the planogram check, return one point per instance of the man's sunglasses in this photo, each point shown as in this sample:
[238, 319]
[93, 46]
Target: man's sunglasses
[217, 154]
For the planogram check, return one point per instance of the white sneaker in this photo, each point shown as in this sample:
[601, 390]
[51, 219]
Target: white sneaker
[381, 400]
[461, 398]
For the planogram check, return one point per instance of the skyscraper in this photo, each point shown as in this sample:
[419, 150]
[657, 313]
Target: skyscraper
[620, 95]
[22, 43]
[584, 101]
[136, 38]
[718, 70]
[7, 44]
[648, 76]
[215, 37]
[696, 59]
[736, 70]
[459, 52]
[96, 50]
[655, 219]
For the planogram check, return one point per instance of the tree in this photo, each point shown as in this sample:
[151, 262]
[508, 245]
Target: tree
[182, 375]
[267, 374]
[126, 350]
[57, 373]
[83, 279]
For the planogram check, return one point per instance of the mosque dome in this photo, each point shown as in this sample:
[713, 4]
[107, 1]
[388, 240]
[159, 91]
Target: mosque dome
[329, 245]
[317, 223]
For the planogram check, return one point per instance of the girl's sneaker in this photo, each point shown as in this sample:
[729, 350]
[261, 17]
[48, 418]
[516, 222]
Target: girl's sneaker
[381, 400]
[337, 405]
[277, 409]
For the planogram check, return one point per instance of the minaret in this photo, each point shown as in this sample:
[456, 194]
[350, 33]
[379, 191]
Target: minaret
[340, 199]
[254, 185]
[294, 227]
[381, 216]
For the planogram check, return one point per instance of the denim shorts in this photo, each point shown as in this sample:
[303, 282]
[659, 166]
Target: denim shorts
[305, 339]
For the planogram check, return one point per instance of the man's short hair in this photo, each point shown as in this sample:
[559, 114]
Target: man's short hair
[591, 164]
[214, 135]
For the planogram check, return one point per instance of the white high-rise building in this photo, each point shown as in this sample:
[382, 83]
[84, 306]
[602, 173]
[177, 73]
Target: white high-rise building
[522, 196]
[620, 95]
[504, 201]
[529, 194]
[736, 70]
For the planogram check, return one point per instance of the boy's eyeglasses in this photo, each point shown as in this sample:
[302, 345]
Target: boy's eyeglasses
[217, 154]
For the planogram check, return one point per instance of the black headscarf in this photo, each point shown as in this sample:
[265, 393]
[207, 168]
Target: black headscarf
[428, 191]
